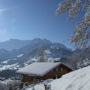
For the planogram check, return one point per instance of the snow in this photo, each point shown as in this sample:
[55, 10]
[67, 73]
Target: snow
[47, 51]
[20, 55]
[54, 59]
[6, 81]
[37, 87]
[5, 67]
[5, 62]
[38, 68]
[76, 80]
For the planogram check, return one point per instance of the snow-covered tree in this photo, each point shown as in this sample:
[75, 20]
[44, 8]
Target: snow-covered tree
[41, 55]
[3, 87]
[81, 37]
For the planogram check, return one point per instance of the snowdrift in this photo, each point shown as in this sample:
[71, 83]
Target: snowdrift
[76, 80]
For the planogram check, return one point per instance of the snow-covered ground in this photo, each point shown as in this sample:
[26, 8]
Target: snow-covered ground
[76, 80]
[11, 67]
[8, 84]
[47, 51]
[20, 55]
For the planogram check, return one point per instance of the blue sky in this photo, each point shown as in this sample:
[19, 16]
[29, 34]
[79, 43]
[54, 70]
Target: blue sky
[29, 19]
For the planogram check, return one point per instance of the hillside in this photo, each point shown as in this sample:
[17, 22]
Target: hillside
[76, 80]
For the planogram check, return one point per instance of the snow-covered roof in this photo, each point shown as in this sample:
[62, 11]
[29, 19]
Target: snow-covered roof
[38, 68]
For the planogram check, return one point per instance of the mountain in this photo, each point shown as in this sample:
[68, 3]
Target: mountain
[13, 44]
[14, 47]
[4, 54]
[25, 55]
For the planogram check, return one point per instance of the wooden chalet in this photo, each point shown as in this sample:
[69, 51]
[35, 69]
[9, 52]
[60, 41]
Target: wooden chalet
[42, 71]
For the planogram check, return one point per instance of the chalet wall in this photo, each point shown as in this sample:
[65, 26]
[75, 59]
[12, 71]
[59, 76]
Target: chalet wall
[57, 72]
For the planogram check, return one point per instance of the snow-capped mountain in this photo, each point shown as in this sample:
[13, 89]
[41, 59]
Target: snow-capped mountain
[28, 53]
[13, 44]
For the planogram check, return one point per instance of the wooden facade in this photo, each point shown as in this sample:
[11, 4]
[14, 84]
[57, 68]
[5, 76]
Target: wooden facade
[57, 72]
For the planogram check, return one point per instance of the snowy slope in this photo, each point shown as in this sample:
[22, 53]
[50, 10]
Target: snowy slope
[76, 80]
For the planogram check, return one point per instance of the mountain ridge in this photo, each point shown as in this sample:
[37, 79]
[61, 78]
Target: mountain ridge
[28, 53]
[13, 44]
